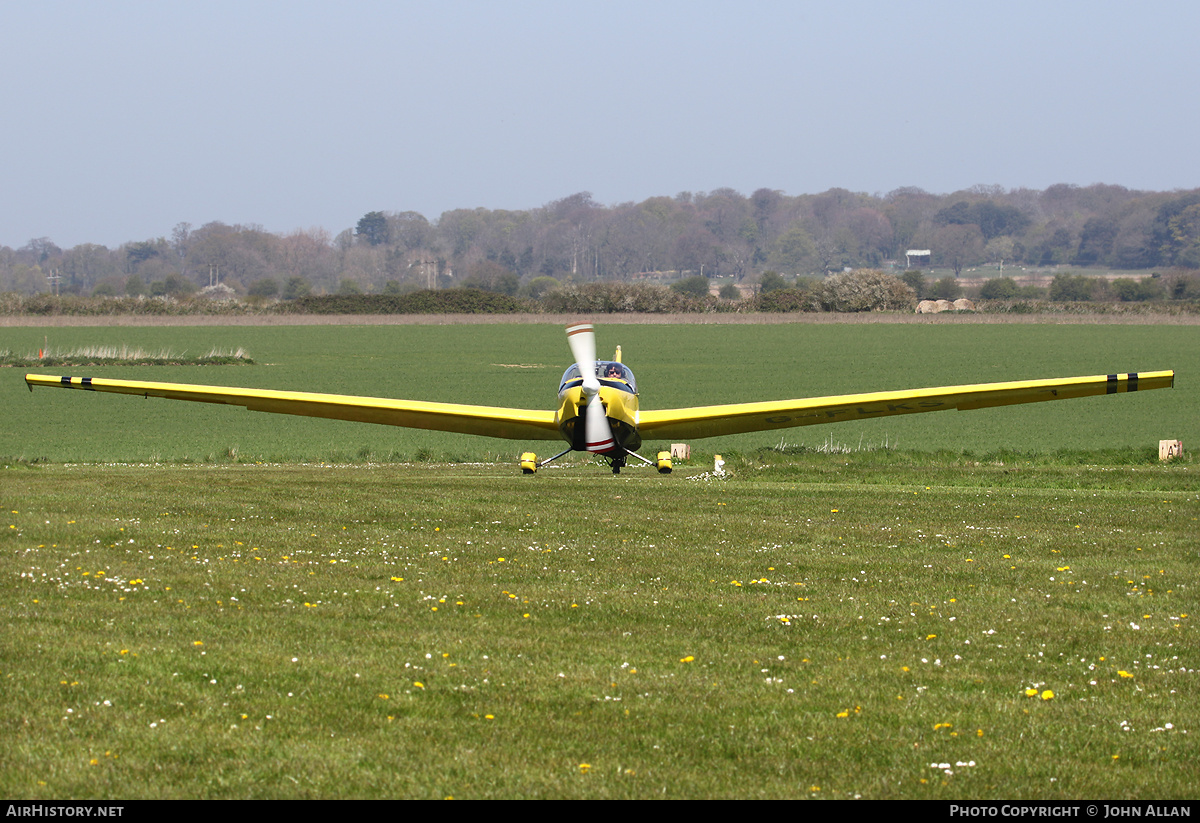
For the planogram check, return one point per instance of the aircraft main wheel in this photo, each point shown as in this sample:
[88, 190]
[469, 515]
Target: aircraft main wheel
[664, 462]
[528, 463]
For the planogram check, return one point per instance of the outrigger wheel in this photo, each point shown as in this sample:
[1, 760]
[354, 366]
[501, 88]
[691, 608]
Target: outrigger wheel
[618, 460]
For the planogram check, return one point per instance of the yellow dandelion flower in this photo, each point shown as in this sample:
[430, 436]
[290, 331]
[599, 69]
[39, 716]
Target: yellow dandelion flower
[1031, 692]
[584, 768]
[418, 684]
[687, 659]
[1124, 673]
[1047, 695]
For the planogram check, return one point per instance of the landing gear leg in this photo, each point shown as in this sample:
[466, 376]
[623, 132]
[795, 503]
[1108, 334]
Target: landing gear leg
[617, 461]
[663, 465]
[530, 463]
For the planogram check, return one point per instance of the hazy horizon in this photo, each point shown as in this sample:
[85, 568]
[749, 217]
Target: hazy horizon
[128, 118]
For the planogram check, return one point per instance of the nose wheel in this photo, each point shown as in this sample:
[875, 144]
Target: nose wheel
[617, 461]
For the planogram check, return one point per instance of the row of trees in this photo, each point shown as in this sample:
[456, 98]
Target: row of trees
[719, 233]
[854, 291]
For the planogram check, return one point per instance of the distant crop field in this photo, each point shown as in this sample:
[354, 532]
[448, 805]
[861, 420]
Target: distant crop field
[519, 365]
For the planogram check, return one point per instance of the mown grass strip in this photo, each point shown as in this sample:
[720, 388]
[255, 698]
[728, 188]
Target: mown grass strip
[291, 631]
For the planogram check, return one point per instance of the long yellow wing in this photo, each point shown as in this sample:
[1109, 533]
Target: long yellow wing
[739, 418]
[512, 424]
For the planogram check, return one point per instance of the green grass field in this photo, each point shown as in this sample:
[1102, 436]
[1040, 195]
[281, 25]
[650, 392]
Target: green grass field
[261, 631]
[517, 365]
[998, 608]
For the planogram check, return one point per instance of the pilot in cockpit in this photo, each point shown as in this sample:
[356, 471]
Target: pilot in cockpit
[613, 372]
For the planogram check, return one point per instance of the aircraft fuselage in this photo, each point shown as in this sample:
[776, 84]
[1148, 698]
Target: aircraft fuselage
[618, 393]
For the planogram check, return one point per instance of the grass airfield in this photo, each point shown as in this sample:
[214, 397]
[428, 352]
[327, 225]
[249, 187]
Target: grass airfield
[879, 624]
[905, 631]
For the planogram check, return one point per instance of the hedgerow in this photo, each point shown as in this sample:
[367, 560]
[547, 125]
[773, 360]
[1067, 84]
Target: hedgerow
[447, 301]
[610, 298]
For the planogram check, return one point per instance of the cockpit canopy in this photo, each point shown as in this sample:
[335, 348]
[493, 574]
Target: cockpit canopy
[607, 371]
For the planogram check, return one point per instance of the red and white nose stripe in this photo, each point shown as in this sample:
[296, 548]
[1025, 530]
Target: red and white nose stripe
[596, 428]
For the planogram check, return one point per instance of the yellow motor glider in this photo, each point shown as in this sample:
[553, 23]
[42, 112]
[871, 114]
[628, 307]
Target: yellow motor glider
[598, 410]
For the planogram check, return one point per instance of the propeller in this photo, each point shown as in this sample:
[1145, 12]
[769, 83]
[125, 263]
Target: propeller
[597, 433]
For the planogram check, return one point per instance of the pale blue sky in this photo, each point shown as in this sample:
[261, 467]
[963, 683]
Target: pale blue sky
[121, 119]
